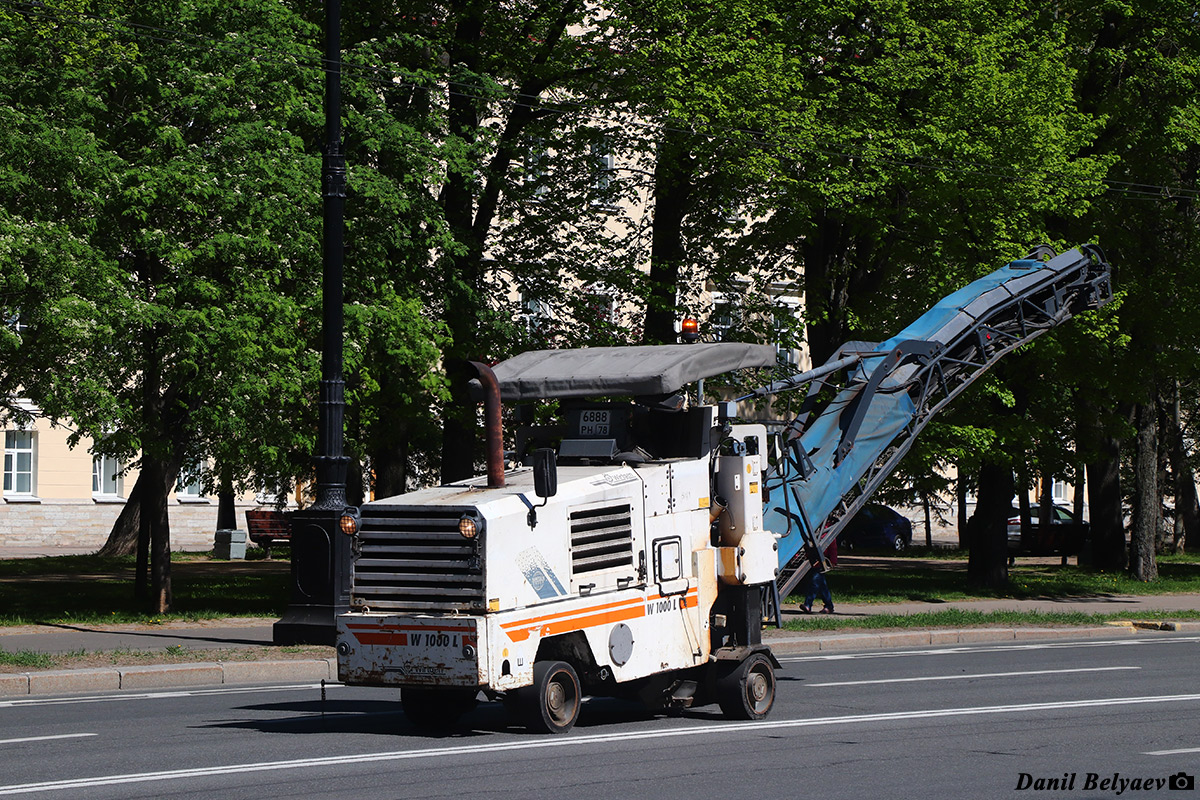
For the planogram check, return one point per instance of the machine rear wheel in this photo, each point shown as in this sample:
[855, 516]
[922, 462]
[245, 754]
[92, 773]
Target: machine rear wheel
[747, 690]
[551, 705]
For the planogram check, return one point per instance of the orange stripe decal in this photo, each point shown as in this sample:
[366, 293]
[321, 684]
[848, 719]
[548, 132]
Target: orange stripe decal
[567, 621]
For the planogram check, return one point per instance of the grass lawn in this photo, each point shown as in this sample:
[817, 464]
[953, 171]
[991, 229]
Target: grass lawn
[92, 590]
[960, 618]
[908, 579]
[941, 576]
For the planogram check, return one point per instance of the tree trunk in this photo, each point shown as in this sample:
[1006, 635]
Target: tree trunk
[355, 492]
[1046, 503]
[155, 510]
[825, 297]
[1143, 531]
[226, 511]
[1162, 537]
[390, 467]
[1104, 502]
[960, 492]
[470, 216]
[1025, 514]
[928, 520]
[123, 538]
[672, 198]
[1024, 511]
[226, 502]
[141, 574]
[838, 267]
[1187, 505]
[987, 564]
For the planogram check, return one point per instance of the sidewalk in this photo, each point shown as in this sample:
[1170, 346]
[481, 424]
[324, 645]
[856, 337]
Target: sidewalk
[234, 641]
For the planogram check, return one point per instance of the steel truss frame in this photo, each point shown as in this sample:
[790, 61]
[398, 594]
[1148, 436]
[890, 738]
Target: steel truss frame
[943, 371]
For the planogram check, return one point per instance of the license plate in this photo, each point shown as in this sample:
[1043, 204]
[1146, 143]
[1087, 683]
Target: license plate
[595, 423]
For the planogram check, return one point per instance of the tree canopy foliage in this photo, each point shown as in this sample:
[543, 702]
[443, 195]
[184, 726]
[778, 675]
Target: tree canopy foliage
[556, 173]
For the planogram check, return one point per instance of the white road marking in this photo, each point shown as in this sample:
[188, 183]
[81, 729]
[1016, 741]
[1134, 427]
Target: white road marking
[109, 698]
[1181, 751]
[725, 729]
[967, 677]
[954, 651]
[47, 738]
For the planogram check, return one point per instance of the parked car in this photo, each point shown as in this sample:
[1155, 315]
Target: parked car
[1065, 534]
[876, 526]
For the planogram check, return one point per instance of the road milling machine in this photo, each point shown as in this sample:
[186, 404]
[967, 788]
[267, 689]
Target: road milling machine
[635, 542]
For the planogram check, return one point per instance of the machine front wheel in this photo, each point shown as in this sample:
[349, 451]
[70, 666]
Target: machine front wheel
[551, 704]
[747, 690]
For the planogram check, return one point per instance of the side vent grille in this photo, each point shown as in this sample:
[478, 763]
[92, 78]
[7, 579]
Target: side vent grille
[601, 538]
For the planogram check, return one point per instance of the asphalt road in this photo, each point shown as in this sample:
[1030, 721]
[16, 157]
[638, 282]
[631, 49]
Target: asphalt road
[959, 722]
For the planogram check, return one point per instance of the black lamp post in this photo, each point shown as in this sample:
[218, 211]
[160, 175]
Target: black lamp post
[320, 551]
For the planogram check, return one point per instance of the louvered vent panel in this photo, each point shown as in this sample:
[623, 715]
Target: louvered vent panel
[601, 538]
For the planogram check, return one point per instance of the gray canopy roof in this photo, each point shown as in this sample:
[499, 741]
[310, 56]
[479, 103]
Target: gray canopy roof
[638, 371]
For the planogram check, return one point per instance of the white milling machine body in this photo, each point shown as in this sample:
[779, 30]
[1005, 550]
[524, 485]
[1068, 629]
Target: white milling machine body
[636, 549]
[640, 576]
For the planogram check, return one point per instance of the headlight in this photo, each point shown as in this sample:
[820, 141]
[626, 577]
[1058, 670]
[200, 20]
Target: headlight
[348, 522]
[469, 527]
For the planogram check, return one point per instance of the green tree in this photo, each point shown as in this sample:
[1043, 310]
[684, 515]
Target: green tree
[181, 201]
[451, 107]
[1137, 66]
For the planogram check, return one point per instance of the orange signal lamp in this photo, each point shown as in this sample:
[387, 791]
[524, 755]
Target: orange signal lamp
[689, 330]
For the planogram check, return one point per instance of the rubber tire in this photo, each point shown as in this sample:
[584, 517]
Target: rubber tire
[746, 691]
[898, 544]
[436, 709]
[551, 704]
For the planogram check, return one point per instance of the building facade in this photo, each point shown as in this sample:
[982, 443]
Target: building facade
[56, 496]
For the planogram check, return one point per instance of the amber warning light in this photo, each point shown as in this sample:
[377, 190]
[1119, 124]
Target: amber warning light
[689, 330]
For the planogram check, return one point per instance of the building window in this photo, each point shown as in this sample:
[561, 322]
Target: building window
[787, 333]
[600, 305]
[106, 477]
[190, 484]
[1058, 491]
[604, 165]
[536, 160]
[536, 312]
[20, 461]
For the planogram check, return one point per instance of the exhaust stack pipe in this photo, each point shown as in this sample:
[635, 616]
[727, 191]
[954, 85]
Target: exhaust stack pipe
[492, 424]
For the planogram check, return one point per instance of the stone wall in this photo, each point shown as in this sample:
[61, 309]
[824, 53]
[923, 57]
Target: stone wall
[86, 524]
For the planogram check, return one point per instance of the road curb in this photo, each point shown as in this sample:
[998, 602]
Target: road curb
[1162, 625]
[166, 676]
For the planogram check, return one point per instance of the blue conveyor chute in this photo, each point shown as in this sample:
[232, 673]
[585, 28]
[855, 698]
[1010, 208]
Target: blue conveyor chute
[840, 450]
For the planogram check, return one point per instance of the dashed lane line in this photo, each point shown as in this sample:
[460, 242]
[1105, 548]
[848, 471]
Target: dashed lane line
[46, 738]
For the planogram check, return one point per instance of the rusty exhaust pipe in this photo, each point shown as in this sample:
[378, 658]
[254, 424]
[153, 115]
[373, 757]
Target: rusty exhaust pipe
[492, 424]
